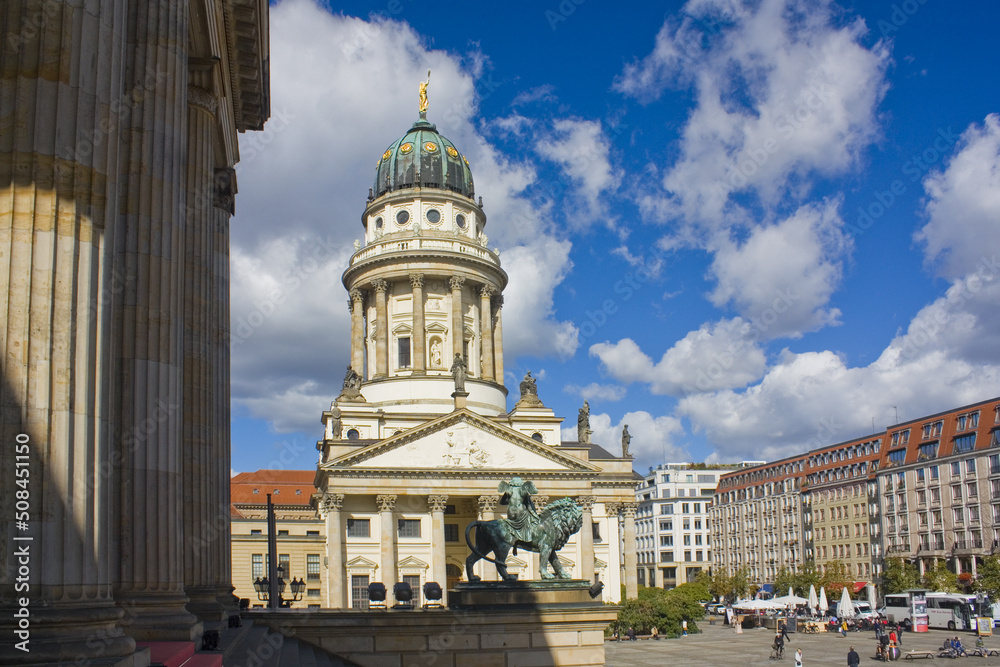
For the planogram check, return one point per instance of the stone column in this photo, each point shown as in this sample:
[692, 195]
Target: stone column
[631, 584]
[336, 573]
[223, 207]
[381, 329]
[486, 330]
[387, 521]
[587, 538]
[358, 332]
[487, 512]
[148, 330]
[457, 321]
[498, 341]
[60, 162]
[658, 576]
[439, 572]
[199, 457]
[419, 330]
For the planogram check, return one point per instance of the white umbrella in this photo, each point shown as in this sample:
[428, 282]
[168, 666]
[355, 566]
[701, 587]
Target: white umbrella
[871, 595]
[823, 606]
[789, 600]
[813, 600]
[753, 604]
[845, 609]
[790, 592]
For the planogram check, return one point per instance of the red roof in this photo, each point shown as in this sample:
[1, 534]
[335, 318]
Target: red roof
[858, 586]
[287, 487]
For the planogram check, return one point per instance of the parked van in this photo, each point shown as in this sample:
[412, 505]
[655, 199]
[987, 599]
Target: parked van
[864, 610]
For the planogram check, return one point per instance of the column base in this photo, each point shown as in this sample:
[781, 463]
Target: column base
[205, 604]
[66, 634]
[159, 617]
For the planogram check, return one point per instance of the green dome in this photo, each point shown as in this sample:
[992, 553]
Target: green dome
[422, 158]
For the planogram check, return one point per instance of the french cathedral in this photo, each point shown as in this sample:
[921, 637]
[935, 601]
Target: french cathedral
[419, 439]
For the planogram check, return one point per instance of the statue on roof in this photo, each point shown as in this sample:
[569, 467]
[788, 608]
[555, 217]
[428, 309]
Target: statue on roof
[583, 423]
[458, 371]
[528, 386]
[626, 439]
[423, 95]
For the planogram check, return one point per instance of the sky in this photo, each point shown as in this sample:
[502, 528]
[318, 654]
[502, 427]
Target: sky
[744, 229]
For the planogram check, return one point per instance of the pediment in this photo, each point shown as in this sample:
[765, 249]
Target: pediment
[412, 563]
[362, 563]
[461, 442]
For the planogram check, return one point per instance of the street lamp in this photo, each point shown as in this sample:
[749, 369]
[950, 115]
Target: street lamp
[263, 587]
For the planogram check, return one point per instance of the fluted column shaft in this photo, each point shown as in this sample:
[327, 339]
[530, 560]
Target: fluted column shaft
[419, 360]
[439, 564]
[149, 332]
[59, 168]
[387, 522]
[587, 538]
[457, 325]
[486, 330]
[199, 458]
[336, 574]
[358, 332]
[631, 572]
[498, 342]
[381, 329]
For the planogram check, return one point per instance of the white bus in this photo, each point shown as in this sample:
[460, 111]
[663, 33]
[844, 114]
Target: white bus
[944, 610]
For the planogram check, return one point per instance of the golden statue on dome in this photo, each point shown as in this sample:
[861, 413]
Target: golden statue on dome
[423, 95]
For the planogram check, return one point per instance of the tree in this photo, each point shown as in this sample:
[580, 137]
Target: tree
[940, 578]
[899, 575]
[739, 583]
[988, 581]
[835, 577]
[664, 610]
[784, 580]
[807, 576]
[720, 586]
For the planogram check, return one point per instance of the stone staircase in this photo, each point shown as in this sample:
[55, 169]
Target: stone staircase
[258, 646]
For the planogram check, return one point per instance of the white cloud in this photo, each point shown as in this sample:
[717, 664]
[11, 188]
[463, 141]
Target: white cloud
[783, 93]
[583, 153]
[963, 205]
[723, 355]
[782, 276]
[947, 356]
[597, 392]
[303, 183]
[652, 437]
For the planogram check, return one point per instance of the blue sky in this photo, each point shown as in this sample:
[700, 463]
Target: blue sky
[745, 229]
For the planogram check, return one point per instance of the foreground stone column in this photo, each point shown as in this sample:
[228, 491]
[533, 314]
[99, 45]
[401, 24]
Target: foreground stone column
[387, 522]
[336, 573]
[457, 321]
[358, 332]
[439, 564]
[60, 159]
[631, 574]
[587, 538]
[381, 329]
[200, 460]
[148, 331]
[419, 335]
[486, 330]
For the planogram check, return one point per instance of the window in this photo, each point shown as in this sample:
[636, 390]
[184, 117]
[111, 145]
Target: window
[666, 509]
[687, 540]
[312, 532]
[283, 532]
[935, 495]
[312, 567]
[255, 531]
[353, 434]
[313, 592]
[959, 515]
[285, 564]
[409, 527]
[956, 468]
[970, 466]
[359, 528]
[697, 524]
[666, 525]
[451, 532]
[404, 351]
[414, 581]
[965, 443]
[956, 493]
[359, 591]
[934, 472]
[920, 474]
[972, 490]
[928, 451]
[597, 532]
[897, 456]
[257, 566]
[685, 508]
[666, 556]
[666, 540]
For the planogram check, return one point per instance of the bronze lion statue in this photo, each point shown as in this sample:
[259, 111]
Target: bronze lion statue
[545, 532]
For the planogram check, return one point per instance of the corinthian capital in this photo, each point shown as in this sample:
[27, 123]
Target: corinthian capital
[331, 502]
[357, 295]
[488, 503]
[379, 285]
[487, 291]
[629, 509]
[456, 282]
[586, 503]
[416, 280]
[386, 502]
[437, 503]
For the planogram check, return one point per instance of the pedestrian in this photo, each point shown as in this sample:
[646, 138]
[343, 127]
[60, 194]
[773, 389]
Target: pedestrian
[798, 658]
[843, 628]
[899, 633]
[853, 659]
[784, 631]
[631, 634]
[893, 638]
[684, 627]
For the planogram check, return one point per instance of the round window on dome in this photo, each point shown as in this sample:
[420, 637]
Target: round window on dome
[460, 221]
[402, 217]
[433, 216]
[378, 222]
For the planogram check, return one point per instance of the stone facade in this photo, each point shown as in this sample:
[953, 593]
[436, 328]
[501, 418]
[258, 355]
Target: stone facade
[116, 164]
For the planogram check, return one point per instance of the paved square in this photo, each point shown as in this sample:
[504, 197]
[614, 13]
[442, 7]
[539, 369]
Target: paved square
[718, 646]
